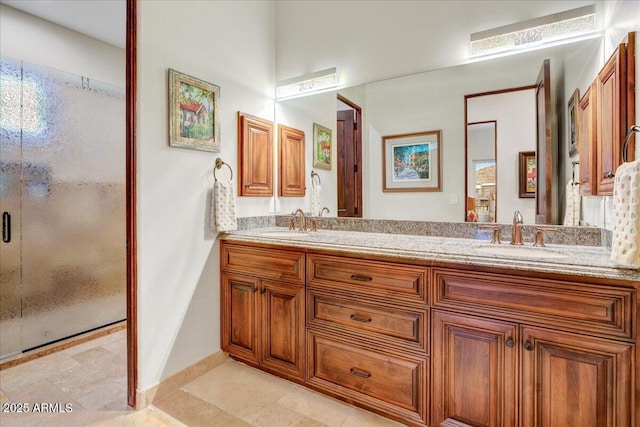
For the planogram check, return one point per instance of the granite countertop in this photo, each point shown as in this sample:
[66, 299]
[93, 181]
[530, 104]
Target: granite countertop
[590, 261]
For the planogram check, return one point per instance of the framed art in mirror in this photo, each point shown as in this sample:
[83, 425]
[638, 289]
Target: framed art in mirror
[321, 147]
[412, 162]
[193, 113]
[527, 176]
[572, 113]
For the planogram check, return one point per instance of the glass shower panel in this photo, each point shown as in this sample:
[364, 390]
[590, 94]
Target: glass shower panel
[10, 196]
[73, 205]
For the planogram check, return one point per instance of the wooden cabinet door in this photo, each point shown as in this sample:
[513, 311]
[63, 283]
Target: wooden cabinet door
[474, 371]
[239, 312]
[291, 164]
[282, 317]
[574, 381]
[587, 144]
[255, 151]
[611, 92]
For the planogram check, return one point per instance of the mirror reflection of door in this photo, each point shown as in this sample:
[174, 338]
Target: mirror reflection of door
[482, 174]
[349, 158]
[510, 116]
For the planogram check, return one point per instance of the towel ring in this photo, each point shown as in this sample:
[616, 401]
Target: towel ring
[218, 165]
[634, 128]
[313, 175]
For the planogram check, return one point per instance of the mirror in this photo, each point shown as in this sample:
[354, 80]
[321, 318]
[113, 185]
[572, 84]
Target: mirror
[482, 188]
[435, 100]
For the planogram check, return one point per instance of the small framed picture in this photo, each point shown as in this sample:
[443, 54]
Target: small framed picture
[193, 113]
[573, 125]
[321, 147]
[411, 162]
[527, 176]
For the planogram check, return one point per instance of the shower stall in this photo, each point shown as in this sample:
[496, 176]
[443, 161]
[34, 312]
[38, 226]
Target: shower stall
[62, 198]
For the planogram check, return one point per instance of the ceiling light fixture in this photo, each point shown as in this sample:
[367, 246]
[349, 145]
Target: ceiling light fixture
[562, 27]
[309, 83]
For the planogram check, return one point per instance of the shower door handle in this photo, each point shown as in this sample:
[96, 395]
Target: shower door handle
[6, 227]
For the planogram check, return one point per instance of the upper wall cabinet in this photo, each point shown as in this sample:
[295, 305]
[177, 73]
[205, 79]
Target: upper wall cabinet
[615, 113]
[255, 156]
[587, 140]
[292, 154]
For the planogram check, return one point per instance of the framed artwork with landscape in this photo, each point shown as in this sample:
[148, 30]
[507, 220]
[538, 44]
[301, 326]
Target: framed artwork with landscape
[412, 162]
[527, 176]
[193, 113]
[572, 112]
[321, 147]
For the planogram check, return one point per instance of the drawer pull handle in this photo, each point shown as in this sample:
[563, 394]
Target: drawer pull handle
[361, 278]
[528, 346]
[359, 373]
[509, 342]
[360, 319]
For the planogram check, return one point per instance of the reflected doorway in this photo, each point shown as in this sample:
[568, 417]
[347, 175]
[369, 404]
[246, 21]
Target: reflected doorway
[349, 164]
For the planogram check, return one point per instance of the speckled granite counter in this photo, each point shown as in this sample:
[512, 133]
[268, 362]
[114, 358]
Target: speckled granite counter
[568, 259]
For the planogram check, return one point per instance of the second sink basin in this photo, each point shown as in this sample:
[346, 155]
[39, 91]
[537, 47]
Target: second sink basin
[521, 252]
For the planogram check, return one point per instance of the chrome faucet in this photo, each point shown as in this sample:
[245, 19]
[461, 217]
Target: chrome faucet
[516, 232]
[303, 220]
[325, 209]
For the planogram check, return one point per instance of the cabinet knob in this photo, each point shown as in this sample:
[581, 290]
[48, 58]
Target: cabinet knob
[262, 291]
[609, 175]
[528, 346]
[510, 342]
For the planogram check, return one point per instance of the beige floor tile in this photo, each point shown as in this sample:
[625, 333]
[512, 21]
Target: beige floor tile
[188, 409]
[280, 416]
[360, 418]
[226, 420]
[144, 418]
[316, 406]
[39, 392]
[30, 372]
[91, 354]
[238, 389]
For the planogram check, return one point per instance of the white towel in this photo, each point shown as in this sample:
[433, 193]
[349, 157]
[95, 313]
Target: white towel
[572, 213]
[223, 209]
[625, 247]
[316, 200]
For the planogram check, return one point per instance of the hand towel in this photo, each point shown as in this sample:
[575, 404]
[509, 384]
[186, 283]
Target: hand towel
[316, 200]
[572, 212]
[625, 246]
[223, 209]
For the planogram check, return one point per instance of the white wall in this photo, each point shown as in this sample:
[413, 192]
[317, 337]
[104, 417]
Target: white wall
[515, 116]
[34, 40]
[230, 44]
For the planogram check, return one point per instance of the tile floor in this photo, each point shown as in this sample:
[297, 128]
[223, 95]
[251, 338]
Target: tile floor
[90, 379]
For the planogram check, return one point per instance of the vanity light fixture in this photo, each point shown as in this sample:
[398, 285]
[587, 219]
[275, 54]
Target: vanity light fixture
[559, 28]
[309, 83]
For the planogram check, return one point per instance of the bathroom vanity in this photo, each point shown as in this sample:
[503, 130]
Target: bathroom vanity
[437, 331]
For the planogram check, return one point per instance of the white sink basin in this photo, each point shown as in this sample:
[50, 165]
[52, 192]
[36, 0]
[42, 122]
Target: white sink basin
[285, 233]
[521, 252]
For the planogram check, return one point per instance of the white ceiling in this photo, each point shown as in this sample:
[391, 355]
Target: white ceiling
[104, 20]
[369, 39]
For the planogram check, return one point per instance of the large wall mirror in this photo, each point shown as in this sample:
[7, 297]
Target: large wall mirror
[435, 100]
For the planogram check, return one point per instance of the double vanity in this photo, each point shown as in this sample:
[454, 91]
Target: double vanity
[437, 330]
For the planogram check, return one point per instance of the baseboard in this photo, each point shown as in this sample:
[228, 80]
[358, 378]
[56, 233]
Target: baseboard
[171, 384]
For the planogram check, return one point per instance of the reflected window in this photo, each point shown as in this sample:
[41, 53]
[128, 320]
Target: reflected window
[17, 93]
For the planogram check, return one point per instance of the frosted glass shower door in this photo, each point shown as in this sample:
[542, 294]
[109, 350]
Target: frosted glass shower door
[72, 205]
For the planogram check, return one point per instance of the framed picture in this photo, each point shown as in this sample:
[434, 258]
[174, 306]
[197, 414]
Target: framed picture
[321, 147]
[193, 113]
[573, 125]
[412, 162]
[527, 174]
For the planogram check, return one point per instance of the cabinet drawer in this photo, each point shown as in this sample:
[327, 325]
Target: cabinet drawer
[386, 324]
[393, 384]
[375, 278]
[263, 262]
[583, 307]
